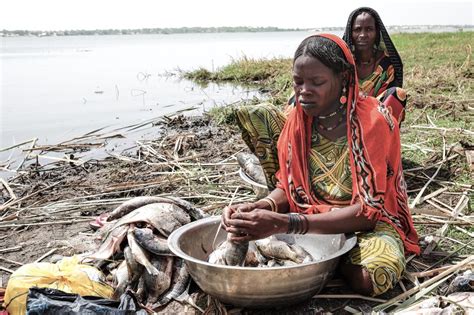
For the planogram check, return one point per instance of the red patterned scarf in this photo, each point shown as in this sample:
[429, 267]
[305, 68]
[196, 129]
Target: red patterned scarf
[375, 158]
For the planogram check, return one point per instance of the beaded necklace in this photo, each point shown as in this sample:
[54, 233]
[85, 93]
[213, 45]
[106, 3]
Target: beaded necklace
[334, 113]
[341, 118]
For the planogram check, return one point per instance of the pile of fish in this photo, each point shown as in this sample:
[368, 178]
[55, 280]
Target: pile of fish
[267, 252]
[137, 232]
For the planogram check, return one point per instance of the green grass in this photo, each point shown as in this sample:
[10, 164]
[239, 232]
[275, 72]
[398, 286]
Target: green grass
[270, 75]
[247, 70]
[433, 49]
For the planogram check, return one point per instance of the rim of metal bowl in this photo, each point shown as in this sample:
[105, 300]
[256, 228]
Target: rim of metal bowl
[350, 242]
[249, 180]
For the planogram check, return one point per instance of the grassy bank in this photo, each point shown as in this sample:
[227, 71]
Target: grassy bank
[437, 67]
[438, 77]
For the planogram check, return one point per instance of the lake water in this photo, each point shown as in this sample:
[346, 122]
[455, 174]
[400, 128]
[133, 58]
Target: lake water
[56, 88]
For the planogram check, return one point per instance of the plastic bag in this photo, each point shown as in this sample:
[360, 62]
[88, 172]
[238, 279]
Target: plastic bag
[66, 275]
[50, 301]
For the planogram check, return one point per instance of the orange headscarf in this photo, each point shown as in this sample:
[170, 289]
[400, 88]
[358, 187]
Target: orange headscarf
[375, 160]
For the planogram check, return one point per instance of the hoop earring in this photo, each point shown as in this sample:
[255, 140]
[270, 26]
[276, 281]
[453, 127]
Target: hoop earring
[343, 99]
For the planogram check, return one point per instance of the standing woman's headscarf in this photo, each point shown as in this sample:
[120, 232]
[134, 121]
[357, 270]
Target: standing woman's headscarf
[383, 35]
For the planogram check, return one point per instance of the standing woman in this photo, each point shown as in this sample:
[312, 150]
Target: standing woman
[334, 165]
[379, 66]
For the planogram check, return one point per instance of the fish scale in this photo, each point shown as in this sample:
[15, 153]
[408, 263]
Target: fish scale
[229, 253]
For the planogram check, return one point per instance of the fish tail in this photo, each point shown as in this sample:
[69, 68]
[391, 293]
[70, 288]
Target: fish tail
[150, 268]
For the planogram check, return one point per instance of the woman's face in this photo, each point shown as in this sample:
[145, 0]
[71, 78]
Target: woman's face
[364, 32]
[316, 86]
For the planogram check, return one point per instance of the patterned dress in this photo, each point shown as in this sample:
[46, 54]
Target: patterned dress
[382, 78]
[382, 85]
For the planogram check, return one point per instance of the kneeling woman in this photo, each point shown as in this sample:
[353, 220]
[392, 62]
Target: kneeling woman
[335, 166]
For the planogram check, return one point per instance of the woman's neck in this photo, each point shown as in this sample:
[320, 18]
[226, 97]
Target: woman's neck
[332, 122]
[334, 134]
[365, 57]
[330, 111]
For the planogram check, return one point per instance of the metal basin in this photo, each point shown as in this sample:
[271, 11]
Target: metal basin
[252, 286]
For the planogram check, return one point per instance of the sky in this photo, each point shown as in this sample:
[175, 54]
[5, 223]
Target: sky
[130, 14]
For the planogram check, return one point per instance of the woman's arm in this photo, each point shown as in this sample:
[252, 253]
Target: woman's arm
[261, 223]
[279, 197]
[340, 220]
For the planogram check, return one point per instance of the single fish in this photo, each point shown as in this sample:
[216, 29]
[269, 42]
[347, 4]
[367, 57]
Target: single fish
[235, 253]
[151, 242]
[229, 253]
[179, 283]
[251, 166]
[155, 285]
[194, 212]
[302, 254]
[139, 254]
[121, 278]
[138, 202]
[162, 216]
[111, 243]
[274, 248]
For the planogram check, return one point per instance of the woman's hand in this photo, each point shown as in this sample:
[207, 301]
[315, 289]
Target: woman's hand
[228, 211]
[256, 224]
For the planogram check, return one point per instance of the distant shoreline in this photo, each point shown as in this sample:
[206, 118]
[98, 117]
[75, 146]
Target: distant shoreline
[224, 29]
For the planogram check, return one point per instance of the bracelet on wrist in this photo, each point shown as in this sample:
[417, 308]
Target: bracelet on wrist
[297, 223]
[270, 201]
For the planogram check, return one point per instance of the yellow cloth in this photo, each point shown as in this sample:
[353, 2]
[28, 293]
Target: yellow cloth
[66, 275]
